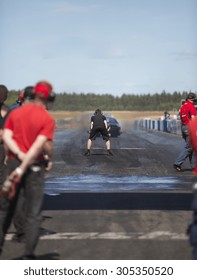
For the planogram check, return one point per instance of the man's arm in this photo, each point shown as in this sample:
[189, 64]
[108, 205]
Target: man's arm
[106, 125]
[91, 124]
[11, 145]
[48, 152]
[31, 156]
[193, 111]
[28, 158]
[48, 149]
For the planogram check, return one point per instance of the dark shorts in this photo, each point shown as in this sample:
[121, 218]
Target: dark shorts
[102, 130]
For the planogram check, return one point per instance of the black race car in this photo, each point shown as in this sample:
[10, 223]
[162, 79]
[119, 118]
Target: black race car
[114, 127]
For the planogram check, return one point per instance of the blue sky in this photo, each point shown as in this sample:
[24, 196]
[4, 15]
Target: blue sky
[99, 46]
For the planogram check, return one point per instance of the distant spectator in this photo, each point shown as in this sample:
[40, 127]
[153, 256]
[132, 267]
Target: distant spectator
[166, 115]
[26, 95]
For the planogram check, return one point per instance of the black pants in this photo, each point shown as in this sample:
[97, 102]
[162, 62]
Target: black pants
[32, 185]
[2, 166]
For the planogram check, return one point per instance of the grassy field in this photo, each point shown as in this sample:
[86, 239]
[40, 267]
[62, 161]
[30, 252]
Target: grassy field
[125, 115]
[120, 115]
[65, 115]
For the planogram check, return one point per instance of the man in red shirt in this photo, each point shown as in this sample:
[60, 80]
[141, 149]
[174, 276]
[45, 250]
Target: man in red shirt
[26, 132]
[192, 229]
[192, 127]
[187, 112]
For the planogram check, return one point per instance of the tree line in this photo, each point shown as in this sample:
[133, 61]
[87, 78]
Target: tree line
[163, 101]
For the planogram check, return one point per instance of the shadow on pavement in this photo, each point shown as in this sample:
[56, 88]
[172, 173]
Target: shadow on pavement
[48, 256]
[119, 201]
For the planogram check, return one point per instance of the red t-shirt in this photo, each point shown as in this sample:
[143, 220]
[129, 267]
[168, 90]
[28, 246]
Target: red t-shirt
[29, 121]
[186, 111]
[192, 126]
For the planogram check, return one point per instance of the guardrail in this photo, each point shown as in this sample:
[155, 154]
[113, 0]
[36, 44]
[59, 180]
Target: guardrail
[169, 125]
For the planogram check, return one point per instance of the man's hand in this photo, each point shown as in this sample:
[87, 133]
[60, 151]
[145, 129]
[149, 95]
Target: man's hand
[48, 163]
[9, 186]
[48, 166]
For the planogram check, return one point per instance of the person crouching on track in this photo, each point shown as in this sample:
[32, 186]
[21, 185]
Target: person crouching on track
[26, 131]
[98, 124]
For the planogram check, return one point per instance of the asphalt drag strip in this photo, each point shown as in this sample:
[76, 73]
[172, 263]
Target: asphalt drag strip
[119, 201]
[132, 205]
[109, 234]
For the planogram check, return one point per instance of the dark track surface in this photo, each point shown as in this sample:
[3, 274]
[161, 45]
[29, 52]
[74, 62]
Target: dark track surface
[153, 216]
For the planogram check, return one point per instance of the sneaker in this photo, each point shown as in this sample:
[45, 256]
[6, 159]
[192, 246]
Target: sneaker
[109, 153]
[87, 153]
[178, 168]
[20, 238]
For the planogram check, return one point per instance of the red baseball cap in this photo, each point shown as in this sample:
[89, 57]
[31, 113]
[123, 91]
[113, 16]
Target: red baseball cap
[43, 89]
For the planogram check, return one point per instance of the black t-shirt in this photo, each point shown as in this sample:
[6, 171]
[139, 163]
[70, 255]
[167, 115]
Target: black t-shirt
[98, 121]
[5, 108]
[1, 118]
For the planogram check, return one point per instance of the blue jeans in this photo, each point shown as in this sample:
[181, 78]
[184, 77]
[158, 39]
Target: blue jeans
[31, 186]
[193, 239]
[187, 150]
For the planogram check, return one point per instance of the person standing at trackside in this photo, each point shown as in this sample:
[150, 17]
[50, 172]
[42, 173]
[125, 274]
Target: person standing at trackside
[3, 112]
[98, 124]
[27, 95]
[192, 229]
[187, 112]
[26, 131]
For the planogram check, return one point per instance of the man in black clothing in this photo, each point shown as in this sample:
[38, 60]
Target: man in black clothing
[3, 112]
[3, 107]
[98, 124]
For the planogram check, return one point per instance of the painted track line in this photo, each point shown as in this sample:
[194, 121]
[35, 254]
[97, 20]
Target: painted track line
[155, 235]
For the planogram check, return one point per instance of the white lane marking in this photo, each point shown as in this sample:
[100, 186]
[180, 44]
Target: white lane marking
[132, 148]
[124, 148]
[155, 235]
